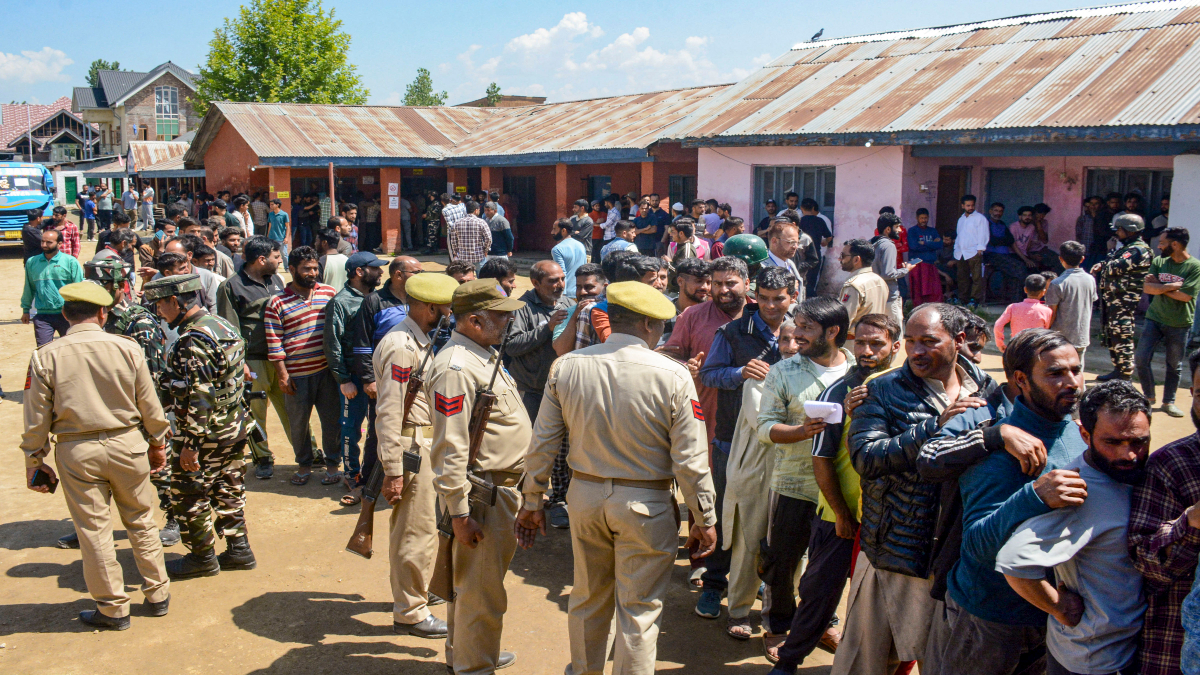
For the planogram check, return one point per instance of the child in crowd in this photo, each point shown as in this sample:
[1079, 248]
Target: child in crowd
[1029, 313]
[1071, 296]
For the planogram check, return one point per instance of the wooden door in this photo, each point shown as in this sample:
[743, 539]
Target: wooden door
[953, 183]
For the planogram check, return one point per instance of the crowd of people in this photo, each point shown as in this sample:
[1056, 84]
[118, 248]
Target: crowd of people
[982, 528]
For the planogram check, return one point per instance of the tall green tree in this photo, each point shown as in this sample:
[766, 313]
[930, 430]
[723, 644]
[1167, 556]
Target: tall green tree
[93, 76]
[420, 92]
[493, 94]
[286, 51]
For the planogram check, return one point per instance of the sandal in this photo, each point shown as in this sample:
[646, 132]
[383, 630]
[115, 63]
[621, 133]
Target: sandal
[351, 498]
[739, 629]
[771, 644]
[695, 579]
[301, 479]
[331, 478]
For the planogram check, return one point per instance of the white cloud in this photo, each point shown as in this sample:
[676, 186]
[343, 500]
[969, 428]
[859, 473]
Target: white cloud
[572, 60]
[394, 98]
[31, 67]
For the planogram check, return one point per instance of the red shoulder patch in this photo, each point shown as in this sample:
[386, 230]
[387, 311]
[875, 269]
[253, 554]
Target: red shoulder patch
[846, 297]
[448, 406]
[29, 376]
[401, 375]
[697, 411]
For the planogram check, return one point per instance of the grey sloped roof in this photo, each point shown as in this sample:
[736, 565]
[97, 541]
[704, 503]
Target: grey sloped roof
[117, 83]
[89, 97]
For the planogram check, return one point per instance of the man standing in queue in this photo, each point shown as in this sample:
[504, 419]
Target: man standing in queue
[484, 540]
[94, 393]
[624, 524]
[204, 381]
[413, 523]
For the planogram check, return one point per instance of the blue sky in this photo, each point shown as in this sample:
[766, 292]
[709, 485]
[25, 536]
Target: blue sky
[561, 50]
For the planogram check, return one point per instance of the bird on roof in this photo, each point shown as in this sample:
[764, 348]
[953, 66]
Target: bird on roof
[817, 36]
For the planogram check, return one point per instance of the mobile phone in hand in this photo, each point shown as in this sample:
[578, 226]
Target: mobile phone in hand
[42, 478]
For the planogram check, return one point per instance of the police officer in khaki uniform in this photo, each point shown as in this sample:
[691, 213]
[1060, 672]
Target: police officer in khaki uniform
[93, 391]
[484, 541]
[624, 526]
[865, 292]
[413, 540]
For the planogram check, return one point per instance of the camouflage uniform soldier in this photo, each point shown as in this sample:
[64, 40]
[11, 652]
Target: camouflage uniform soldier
[433, 219]
[1120, 277]
[204, 379]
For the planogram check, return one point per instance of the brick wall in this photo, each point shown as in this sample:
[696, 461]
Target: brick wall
[139, 108]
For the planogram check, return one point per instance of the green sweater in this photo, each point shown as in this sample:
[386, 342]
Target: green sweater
[44, 277]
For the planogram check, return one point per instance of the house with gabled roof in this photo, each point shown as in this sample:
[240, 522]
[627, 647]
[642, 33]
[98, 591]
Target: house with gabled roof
[134, 106]
[49, 134]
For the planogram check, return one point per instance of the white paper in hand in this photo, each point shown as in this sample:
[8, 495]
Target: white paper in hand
[825, 410]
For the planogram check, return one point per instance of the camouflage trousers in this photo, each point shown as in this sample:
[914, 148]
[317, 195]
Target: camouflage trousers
[431, 234]
[1119, 331]
[211, 501]
[161, 480]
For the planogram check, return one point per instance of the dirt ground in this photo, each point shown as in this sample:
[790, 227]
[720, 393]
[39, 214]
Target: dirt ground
[310, 607]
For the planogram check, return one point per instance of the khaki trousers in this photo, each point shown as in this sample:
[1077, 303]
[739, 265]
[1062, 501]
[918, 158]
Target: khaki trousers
[266, 379]
[475, 619]
[624, 540]
[412, 542]
[888, 621]
[743, 564]
[96, 473]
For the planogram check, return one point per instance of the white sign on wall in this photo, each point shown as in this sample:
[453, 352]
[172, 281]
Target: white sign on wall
[393, 188]
[393, 202]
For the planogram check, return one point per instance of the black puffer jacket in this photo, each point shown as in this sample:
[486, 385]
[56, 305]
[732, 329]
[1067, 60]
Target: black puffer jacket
[900, 510]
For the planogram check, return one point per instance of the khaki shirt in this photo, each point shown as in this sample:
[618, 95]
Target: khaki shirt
[88, 381]
[397, 359]
[630, 413]
[458, 369]
[966, 387]
[864, 293]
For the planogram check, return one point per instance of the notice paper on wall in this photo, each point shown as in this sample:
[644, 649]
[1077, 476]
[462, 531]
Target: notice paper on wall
[393, 188]
[393, 202]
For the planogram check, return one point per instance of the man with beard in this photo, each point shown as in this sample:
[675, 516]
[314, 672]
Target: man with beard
[864, 292]
[295, 325]
[743, 349]
[1164, 539]
[362, 277]
[1096, 609]
[835, 524]
[242, 301]
[988, 628]
[889, 228]
[890, 607]
[695, 286]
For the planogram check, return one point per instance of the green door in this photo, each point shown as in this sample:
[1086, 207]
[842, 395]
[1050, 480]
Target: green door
[72, 189]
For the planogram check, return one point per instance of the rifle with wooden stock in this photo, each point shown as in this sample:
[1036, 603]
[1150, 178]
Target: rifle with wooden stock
[483, 491]
[364, 530]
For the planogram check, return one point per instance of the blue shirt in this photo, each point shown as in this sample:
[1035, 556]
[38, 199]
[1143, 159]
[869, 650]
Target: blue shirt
[617, 244]
[997, 498]
[924, 244]
[718, 371]
[89, 209]
[570, 254]
[997, 228]
[278, 225]
[650, 240]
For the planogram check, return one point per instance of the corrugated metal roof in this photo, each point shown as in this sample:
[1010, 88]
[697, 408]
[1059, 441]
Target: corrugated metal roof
[1134, 64]
[145, 154]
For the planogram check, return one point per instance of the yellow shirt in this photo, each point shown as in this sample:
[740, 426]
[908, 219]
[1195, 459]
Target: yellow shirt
[88, 381]
[630, 413]
[458, 369]
[396, 360]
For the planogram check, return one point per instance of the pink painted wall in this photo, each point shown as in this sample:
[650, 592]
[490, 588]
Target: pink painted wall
[1065, 199]
[867, 178]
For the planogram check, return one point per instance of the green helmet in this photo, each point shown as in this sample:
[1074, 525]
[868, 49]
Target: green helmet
[106, 269]
[749, 247]
[166, 287]
[1130, 222]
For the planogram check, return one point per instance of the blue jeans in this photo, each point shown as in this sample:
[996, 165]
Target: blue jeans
[716, 576]
[1191, 630]
[354, 411]
[1175, 338]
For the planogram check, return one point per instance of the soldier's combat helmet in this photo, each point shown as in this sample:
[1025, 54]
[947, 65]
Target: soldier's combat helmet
[1130, 222]
[167, 287]
[106, 269]
[749, 247]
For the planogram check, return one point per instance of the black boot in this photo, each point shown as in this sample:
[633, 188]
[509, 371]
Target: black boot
[237, 555]
[169, 534]
[1114, 375]
[202, 563]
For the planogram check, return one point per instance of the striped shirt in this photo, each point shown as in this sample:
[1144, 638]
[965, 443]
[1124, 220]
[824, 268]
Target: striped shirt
[296, 329]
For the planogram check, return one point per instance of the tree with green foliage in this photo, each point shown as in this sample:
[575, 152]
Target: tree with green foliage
[420, 92]
[279, 51]
[493, 95]
[93, 76]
